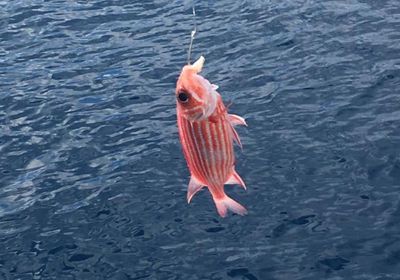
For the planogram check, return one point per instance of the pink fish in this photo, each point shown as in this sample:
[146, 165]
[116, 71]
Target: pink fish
[207, 132]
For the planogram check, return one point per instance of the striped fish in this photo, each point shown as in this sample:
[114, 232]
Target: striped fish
[206, 132]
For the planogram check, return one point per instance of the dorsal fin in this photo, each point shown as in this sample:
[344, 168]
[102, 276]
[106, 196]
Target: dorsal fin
[235, 136]
[235, 179]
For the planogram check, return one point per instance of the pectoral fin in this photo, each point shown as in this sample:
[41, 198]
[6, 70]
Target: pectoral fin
[193, 187]
[236, 120]
[214, 87]
[233, 121]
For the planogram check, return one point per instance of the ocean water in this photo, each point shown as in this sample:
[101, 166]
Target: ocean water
[93, 180]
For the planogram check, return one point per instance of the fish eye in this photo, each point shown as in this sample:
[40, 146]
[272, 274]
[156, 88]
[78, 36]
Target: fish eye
[183, 97]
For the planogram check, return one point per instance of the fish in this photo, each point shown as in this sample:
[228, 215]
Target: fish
[207, 133]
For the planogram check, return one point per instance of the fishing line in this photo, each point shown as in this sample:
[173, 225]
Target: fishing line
[193, 33]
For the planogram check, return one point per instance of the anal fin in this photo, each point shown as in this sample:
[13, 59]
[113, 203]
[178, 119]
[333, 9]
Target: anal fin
[193, 187]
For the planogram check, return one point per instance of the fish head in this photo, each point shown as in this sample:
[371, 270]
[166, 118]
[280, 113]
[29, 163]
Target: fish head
[196, 97]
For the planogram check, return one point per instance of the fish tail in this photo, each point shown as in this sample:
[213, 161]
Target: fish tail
[225, 203]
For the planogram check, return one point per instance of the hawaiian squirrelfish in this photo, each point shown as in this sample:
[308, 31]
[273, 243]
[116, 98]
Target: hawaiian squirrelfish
[206, 132]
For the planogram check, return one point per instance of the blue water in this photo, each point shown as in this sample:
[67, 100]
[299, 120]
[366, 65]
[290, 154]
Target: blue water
[93, 180]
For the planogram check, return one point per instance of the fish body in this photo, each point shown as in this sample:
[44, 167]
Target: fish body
[207, 132]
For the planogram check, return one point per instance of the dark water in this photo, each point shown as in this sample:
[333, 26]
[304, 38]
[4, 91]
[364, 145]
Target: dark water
[93, 181]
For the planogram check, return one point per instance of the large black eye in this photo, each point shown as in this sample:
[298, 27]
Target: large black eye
[183, 97]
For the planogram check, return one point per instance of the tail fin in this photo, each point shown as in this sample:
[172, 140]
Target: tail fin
[225, 203]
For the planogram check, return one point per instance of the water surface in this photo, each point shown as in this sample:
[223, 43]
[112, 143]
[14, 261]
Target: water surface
[93, 181]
